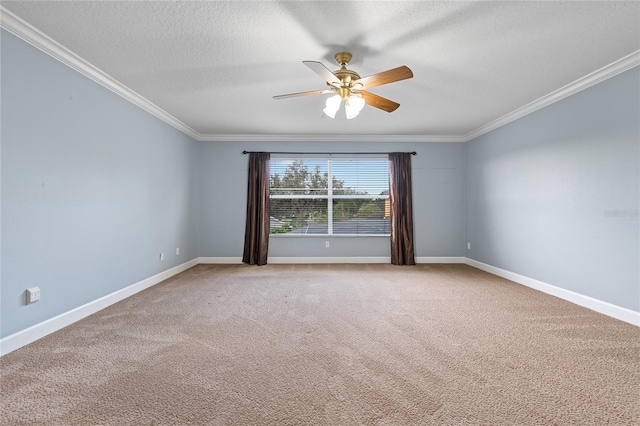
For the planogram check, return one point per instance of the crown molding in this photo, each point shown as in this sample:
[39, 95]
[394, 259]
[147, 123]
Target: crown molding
[38, 39]
[608, 71]
[330, 138]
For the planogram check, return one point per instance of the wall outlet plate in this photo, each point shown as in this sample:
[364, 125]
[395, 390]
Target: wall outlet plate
[32, 295]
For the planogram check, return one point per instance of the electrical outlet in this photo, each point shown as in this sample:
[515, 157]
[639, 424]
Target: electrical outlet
[326, 244]
[468, 246]
[177, 251]
[161, 257]
[32, 295]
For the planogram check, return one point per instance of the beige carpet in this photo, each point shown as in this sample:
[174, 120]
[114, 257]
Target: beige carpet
[330, 345]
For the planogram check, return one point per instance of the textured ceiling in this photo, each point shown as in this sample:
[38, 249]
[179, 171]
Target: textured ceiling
[216, 65]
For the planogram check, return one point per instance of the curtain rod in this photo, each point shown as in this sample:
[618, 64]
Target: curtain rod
[327, 153]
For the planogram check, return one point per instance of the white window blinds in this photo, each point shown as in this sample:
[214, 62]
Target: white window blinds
[329, 196]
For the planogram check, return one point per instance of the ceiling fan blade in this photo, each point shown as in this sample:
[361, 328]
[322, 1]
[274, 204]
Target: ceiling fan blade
[385, 77]
[322, 71]
[379, 102]
[311, 92]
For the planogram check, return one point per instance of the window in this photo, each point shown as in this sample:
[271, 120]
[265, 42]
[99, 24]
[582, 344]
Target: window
[329, 196]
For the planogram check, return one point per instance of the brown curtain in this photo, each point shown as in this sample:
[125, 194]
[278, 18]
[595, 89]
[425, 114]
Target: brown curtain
[401, 209]
[256, 234]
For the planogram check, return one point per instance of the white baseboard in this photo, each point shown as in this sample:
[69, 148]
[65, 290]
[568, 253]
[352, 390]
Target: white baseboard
[328, 259]
[364, 259]
[606, 308]
[215, 260]
[37, 331]
[421, 259]
[281, 260]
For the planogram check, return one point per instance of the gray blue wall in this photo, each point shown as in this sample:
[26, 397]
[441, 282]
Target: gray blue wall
[438, 190]
[93, 189]
[554, 195]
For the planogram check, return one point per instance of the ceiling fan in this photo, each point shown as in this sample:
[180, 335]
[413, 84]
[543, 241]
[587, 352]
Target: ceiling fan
[348, 86]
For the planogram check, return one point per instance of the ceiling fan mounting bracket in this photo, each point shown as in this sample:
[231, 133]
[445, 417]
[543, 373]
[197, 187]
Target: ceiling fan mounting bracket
[342, 58]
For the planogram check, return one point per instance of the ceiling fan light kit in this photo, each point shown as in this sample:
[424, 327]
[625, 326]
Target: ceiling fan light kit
[353, 105]
[332, 105]
[347, 85]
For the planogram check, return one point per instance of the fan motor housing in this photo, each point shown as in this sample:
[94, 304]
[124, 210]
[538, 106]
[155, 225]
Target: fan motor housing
[346, 76]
